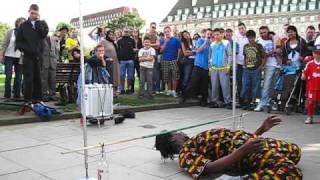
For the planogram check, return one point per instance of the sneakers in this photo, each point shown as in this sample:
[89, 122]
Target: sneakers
[228, 106]
[258, 109]
[308, 120]
[168, 93]
[174, 94]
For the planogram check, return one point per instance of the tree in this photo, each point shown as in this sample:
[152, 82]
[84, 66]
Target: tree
[130, 20]
[61, 24]
[4, 27]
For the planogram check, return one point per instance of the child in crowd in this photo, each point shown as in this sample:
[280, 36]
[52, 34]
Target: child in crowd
[146, 58]
[311, 74]
[254, 55]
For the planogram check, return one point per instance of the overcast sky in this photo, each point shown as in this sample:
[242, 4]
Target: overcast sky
[54, 11]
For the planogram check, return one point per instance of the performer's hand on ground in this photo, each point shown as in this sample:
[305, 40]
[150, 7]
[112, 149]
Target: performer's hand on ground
[252, 146]
[269, 123]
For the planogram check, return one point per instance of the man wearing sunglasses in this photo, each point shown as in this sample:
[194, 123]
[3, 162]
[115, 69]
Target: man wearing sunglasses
[30, 39]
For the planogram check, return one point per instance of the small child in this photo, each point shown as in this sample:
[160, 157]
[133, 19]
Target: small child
[254, 60]
[311, 74]
[146, 58]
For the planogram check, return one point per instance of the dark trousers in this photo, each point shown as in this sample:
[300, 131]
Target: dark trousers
[136, 70]
[10, 62]
[239, 82]
[32, 78]
[198, 84]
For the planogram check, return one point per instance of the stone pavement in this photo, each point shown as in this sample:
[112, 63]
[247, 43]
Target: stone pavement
[32, 151]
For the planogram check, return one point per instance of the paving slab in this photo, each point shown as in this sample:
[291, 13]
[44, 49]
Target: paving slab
[25, 175]
[8, 167]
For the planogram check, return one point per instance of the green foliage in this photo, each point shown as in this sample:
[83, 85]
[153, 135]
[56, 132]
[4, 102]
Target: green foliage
[130, 20]
[4, 27]
[61, 24]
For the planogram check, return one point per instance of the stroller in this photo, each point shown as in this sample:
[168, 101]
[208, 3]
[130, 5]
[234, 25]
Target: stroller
[286, 96]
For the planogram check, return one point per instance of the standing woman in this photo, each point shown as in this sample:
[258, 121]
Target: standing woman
[187, 59]
[138, 40]
[111, 52]
[294, 52]
[12, 58]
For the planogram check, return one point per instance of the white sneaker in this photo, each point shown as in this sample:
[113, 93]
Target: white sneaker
[174, 94]
[308, 120]
[258, 109]
[168, 93]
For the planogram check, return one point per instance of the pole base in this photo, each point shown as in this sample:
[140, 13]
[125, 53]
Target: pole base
[87, 178]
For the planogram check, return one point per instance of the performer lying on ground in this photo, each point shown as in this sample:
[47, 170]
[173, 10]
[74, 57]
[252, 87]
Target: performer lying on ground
[238, 153]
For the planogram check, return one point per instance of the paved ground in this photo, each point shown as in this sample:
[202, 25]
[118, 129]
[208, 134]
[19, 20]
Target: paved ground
[32, 151]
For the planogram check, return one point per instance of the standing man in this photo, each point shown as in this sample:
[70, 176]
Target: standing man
[29, 41]
[242, 40]
[126, 55]
[199, 76]
[48, 68]
[271, 67]
[310, 39]
[169, 64]
[155, 44]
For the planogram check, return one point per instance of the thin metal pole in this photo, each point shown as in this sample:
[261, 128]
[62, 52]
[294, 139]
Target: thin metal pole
[234, 82]
[83, 107]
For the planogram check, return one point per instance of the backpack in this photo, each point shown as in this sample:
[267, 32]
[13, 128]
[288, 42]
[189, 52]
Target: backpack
[45, 112]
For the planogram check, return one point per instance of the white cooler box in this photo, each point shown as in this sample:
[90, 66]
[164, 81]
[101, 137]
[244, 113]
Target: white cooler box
[98, 99]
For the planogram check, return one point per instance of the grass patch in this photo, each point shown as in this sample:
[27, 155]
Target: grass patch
[8, 107]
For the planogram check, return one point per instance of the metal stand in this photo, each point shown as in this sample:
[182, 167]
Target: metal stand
[234, 83]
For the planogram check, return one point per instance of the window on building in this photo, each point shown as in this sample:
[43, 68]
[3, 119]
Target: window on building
[238, 5]
[303, 6]
[202, 9]
[199, 15]
[267, 21]
[195, 10]
[303, 1]
[223, 7]
[243, 12]
[228, 13]
[277, 2]
[258, 10]
[177, 18]
[251, 22]
[215, 1]
[284, 20]
[276, 20]
[186, 11]
[312, 5]
[261, 3]
[302, 19]
[179, 11]
[275, 9]
[253, 4]
[230, 6]
[285, 1]
[267, 9]
[245, 5]
[216, 7]
[208, 9]
[284, 8]
[312, 18]
[235, 12]
[194, 2]
[293, 7]
[214, 14]
[221, 13]
[251, 11]
[184, 17]
[169, 18]
[294, 1]
[294, 19]
[269, 2]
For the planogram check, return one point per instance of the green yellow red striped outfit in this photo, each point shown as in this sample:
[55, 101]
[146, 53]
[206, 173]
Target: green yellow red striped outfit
[277, 160]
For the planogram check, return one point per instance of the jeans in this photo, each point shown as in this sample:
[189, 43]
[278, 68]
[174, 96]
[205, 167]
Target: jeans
[156, 74]
[146, 77]
[269, 80]
[239, 80]
[250, 82]
[187, 71]
[9, 62]
[126, 69]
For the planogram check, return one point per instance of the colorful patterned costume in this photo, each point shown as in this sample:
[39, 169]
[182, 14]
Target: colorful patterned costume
[277, 160]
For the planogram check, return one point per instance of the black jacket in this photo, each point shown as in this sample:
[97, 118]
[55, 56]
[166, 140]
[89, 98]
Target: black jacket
[125, 48]
[30, 40]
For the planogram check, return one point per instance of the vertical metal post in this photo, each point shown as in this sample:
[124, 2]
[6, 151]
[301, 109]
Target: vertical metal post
[234, 82]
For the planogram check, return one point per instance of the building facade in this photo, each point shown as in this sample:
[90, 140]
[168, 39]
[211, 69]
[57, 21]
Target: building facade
[194, 15]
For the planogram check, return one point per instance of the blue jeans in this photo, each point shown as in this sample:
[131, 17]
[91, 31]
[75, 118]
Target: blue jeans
[156, 74]
[9, 62]
[187, 70]
[250, 82]
[269, 80]
[126, 69]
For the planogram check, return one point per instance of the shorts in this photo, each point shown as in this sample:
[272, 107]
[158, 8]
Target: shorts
[170, 70]
[126, 69]
[313, 95]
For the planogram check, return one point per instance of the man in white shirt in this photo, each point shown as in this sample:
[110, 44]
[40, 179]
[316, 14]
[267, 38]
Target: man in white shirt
[242, 40]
